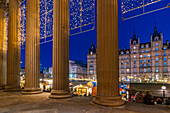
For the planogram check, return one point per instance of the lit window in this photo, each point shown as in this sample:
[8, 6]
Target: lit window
[156, 44]
[134, 51]
[121, 53]
[164, 48]
[156, 59]
[134, 56]
[142, 51]
[140, 56]
[127, 53]
[149, 65]
[165, 54]
[156, 70]
[145, 70]
[127, 70]
[165, 59]
[146, 46]
[127, 57]
[91, 65]
[156, 64]
[91, 53]
[147, 51]
[156, 54]
[142, 47]
[156, 49]
[91, 68]
[91, 72]
[165, 64]
[134, 47]
[121, 58]
[149, 55]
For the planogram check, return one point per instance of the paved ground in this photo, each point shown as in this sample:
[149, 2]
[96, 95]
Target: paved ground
[40, 103]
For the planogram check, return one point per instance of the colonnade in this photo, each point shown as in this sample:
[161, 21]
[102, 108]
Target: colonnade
[107, 45]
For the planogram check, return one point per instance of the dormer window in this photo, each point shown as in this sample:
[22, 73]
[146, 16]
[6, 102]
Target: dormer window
[91, 52]
[156, 39]
[127, 53]
[142, 47]
[121, 53]
[147, 46]
[134, 43]
[164, 48]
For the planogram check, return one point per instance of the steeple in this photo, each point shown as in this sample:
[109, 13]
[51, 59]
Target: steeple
[134, 35]
[155, 33]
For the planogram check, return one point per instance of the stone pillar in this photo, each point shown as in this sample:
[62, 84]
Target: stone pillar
[3, 43]
[107, 54]
[32, 55]
[61, 50]
[13, 59]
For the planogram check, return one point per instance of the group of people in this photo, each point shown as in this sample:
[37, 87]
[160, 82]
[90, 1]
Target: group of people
[146, 99]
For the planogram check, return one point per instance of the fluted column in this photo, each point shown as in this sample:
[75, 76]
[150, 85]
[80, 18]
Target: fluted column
[61, 50]
[107, 54]
[13, 59]
[3, 44]
[32, 55]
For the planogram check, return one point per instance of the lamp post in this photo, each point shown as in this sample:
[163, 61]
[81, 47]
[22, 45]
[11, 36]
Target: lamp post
[163, 88]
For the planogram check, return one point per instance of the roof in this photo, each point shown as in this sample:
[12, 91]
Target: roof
[92, 49]
[155, 33]
[145, 44]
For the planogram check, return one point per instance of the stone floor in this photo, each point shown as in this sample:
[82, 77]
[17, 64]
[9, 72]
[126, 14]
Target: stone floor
[40, 103]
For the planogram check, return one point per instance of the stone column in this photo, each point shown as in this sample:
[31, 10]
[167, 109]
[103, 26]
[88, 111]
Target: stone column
[32, 55]
[107, 54]
[61, 50]
[3, 43]
[13, 59]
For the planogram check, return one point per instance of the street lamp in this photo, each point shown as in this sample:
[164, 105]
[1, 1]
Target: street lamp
[163, 88]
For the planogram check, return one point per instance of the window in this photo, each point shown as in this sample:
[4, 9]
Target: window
[91, 61]
[121, 63]
[121, 58]
[156, 39]
[149, 55]
[165, 54]
[122, 71]
[147, 51]
[134, 61]
[140, 61]
[149, 65]
[142, 47]
[156, 70]
[165, 69]
[165, 59]
[127, 53]
[91, 57]
[148, 60]
[156, 54]
[146, 46]
[127, 57]
[140, 56]
[134, 47]
[141, 65]
[91, 68]
[156, 59]
[127, 66]
[149, 70]
[134, 56]
[141, 70]
[156, 49]
[134, 65]
[134, 52]
[164, 48]
[127, 62]
[156, 64]
[121, 53]
[91, 72]
[144, 65]
[144, 56]
[142, 51]
[144, 61]
[121, 66]
[156, 45]
[145, 70]
[134, 70]
[91, 65]
[127, 70]
[134, 43]
[165, 64]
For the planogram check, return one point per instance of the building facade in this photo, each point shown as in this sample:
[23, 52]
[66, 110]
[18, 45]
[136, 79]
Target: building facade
[145, 62]
[91, 63]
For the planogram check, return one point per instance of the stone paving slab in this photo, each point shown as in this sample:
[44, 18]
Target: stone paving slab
[40, 103]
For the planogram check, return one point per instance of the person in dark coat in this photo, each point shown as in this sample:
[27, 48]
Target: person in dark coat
[148, 99]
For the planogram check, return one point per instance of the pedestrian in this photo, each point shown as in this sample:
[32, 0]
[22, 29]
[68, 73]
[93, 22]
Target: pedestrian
[148, 99]
[139, 97]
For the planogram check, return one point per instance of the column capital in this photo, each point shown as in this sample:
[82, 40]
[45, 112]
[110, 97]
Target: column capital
[4, 5]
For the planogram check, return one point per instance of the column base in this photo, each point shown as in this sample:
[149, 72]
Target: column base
[30, 91]
[58, 94]
[108, 101]
[12, 89]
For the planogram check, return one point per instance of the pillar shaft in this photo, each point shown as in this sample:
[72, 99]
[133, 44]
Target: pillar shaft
[13, 59]
[107, 54]
[3, 47]
[32, 55]
[61, 50]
